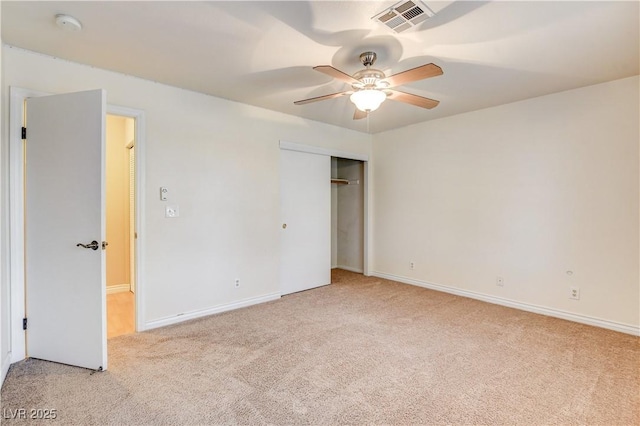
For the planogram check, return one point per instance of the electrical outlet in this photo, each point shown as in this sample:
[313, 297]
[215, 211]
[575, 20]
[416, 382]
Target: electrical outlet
[412, 265]
[574, 293]
[237, 282]
[500, 281]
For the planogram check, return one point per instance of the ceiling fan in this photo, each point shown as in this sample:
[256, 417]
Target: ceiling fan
[371, 87]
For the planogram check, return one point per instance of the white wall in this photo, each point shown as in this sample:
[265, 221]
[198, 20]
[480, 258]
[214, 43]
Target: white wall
[526, 191]
[220, 162]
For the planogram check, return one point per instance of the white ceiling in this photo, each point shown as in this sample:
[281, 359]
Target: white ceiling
[262, 53]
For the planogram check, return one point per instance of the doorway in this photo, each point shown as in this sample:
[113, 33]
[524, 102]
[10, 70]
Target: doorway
[310, 214]
[17, 197]
[120, 218]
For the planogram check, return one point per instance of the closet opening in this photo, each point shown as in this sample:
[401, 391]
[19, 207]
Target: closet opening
[347, 214]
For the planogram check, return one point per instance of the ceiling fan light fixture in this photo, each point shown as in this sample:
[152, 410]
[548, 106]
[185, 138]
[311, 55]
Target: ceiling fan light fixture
[371, 87]
[368, 100]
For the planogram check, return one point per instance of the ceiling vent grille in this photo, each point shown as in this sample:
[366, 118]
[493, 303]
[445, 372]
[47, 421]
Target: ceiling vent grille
[404, 15]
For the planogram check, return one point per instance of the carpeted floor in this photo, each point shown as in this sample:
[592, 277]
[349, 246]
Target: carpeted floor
[360, 351]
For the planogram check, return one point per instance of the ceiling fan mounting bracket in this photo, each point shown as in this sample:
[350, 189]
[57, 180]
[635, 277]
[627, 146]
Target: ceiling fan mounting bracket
[368, 58]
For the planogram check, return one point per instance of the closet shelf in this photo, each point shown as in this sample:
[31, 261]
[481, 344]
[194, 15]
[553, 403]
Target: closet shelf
[345, 181]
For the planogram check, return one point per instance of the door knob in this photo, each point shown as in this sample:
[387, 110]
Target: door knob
[93, 245]
[284, 226]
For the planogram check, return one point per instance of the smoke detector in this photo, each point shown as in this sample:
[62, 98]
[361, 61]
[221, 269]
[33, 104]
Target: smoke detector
[68, 23]
[404, 15]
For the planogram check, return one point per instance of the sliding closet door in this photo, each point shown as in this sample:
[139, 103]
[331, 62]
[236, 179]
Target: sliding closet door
[305, 202]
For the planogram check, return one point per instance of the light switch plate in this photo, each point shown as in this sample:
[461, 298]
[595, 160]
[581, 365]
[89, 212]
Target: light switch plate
[163, 193]
[172, 211]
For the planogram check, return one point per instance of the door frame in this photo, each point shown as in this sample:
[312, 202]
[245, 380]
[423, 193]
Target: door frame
[17, 98]
[368, 208]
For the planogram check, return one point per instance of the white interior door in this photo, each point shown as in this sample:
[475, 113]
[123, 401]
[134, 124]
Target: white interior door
[65, 199]
[305, 197]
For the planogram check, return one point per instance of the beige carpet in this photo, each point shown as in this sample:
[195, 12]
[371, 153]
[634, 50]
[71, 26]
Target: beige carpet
[361, 351]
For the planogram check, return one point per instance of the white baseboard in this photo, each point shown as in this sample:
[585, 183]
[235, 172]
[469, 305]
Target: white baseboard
[349, 268]
[6, 363]
[210, 311]
[583, 319]
[118, 288]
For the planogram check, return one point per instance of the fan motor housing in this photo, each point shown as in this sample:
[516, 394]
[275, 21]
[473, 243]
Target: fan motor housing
[370, 78]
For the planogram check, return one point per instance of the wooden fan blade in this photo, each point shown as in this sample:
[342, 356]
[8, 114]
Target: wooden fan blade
[336, 73]
[322, 98]
[414, 74]
[358, 115]
[408, 98]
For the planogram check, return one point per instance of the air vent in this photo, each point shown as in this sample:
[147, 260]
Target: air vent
[404, 15]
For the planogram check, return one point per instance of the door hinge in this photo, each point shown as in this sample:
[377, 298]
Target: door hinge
[24, 133]
[24, 323]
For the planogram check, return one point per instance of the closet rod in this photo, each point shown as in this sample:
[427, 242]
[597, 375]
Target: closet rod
[345, 181]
